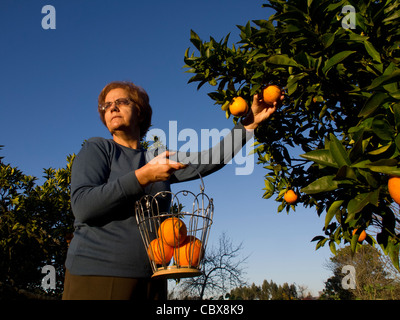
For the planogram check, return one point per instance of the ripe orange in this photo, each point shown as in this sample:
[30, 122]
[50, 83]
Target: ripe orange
[271, 94]
[238, 107]
[173, 231]
[290, 197]
[362, 236]
[160, 252]
[188, 254]
[394, 188]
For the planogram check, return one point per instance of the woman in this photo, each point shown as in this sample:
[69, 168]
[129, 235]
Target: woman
[106, 258]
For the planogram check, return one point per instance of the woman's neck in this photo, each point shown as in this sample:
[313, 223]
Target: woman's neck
[125, 140]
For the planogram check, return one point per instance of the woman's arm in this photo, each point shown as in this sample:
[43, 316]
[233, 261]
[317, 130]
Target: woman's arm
[93, 196]
[209, 161]
[213, 159]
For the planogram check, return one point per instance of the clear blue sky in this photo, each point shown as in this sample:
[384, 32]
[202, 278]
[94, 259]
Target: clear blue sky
[50, 80]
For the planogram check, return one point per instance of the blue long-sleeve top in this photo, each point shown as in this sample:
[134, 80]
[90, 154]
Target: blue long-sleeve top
[104, 189]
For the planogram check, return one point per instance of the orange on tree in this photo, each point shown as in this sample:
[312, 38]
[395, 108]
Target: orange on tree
[290, 196]
[238, 107]
[188, 254]
[394, 188]
[362, 235]
[172, 231]
[160, 252]
[271, 94]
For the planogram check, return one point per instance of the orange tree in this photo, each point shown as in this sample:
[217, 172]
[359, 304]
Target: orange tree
[336, 138]
[35, 222]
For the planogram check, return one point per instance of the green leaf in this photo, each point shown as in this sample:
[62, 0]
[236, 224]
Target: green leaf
[326, 183]
[247, 29]
[385, 79]
[333, 209]
[338, 152]
[395, 95]
[339, 57]
[317, 238]
[369, 177]
[268, 186]
[255, 88]
[323, 157]
[372, 104]
[327, 39]
[386, 170]
[225, 106]
[380, 150]
[282, 60]
[292, 82]
[397, 141]
[394, 16]
[360, 201]
[321, 243]
[384, 162]
[335, 6]
[332, 246]
[391, 87]
[346, 172]
[195, 39]
[257, 75]
[372, 51]
[382, 129]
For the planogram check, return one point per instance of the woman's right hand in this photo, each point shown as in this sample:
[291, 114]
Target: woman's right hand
[159, 168]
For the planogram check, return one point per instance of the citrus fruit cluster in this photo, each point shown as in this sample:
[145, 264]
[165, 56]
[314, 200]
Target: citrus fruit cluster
[269, 94]
[173, 241]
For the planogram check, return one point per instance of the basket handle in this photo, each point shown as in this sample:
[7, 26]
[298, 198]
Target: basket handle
[201, 179]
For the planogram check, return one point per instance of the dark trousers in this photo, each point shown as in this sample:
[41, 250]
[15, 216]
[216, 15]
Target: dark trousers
[113, 288]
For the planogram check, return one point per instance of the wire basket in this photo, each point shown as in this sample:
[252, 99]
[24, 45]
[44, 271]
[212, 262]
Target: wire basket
[174, 228]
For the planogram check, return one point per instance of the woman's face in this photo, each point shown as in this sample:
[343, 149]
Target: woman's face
[123, 117]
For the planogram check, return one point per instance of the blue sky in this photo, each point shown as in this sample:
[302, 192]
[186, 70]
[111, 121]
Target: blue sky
[50, 81]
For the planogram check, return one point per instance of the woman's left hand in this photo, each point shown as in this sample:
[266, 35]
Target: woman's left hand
[259, 112]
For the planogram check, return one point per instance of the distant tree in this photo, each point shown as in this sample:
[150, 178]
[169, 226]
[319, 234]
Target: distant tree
[36, 223]
[222, 270]
[267, 291]
[373, 280]
[252, 292]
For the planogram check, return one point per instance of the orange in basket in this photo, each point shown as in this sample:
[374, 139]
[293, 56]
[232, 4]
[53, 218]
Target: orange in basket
[172, 231]
[160, 252]
[188, 254]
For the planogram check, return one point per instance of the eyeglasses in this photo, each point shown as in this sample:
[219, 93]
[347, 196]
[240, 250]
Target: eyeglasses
[118, 102]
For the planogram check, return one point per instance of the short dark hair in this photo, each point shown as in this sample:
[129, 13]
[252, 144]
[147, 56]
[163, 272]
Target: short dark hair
[139, 97]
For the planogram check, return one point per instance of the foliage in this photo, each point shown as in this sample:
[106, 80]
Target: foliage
[267, 291]
[336, 137]
[373, 279]
[35, 222]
